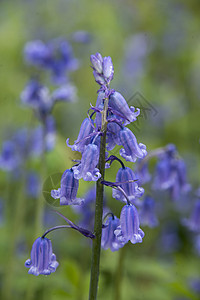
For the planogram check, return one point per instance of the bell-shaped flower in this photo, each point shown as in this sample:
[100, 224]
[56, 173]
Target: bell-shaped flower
[108, 69]
[87, 168]
[37, 96]
[193, 223]
[132, 190]
[9, 158]
[109, 239]
[132, 150]
[147, 212]
[142, 172]
[66, 92]
[119, 104]
[68, 189]
[170, 174]
[112, 136]
[55, 56]
[97, 62]
[83, 137]
[43, 260]
[103, 69]
[129, 229]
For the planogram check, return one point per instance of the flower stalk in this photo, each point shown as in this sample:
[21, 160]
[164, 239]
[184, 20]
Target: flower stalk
[96, 248]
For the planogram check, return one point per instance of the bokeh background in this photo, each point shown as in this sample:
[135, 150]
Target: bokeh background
[155, 49]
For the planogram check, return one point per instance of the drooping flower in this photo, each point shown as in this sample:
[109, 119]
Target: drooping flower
[68, 189]
[142, 172]
[83, 137]
[37, 97]
[129, 229]
[9, 158]
[119, 104]
[171, 174]
[132, 150]
[109, 239]
[33, 185]
[55, 56]
[132, 190]
[193, 223]
[87, 168]
[43, 260]
[147, 212]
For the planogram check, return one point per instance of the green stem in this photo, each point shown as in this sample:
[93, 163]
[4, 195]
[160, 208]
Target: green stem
[96, 247]
[119, 274]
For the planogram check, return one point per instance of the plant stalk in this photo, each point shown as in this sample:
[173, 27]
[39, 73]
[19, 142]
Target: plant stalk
[96, 247]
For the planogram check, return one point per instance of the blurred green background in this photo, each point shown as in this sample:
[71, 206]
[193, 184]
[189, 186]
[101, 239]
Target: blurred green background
[155, 49]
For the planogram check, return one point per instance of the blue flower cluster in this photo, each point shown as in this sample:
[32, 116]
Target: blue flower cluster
[115, 232]
[112, 122]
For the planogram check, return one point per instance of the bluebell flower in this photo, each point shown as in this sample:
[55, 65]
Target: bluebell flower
[171, 174]
[33, 185]
[142, 172]
[132, 190]
[109, 239]
[97, 62]
[43, 260]
[66, 92]
[147, 212]
[119, 104]
[87, 168]
[103, 69]
[108, 69]
[83, 137]
[82, 36]
[9, 157]
[113, 139]
[132, 150]
[56, 56]
[37, 53]
[68, 189]
[136, 48]
[169, 239]
[37, 97]
[193, 223]
[129, 229]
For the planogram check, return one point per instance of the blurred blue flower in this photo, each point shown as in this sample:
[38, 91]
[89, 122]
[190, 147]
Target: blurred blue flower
[9, 158]
[193, 223]
[56, 56]
[33, 185]
[43, 260]
[147, 212]
[81, 36]
[142, 172]
[171, 174]
[39, 98]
